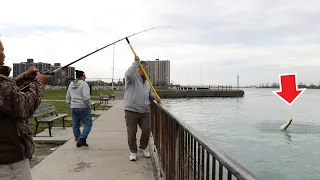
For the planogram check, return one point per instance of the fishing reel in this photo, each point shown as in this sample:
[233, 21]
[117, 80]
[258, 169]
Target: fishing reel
[46, 72]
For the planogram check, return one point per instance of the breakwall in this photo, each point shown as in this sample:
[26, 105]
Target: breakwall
[198, 93]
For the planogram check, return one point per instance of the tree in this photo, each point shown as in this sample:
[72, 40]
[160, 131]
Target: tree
[275, 85]
[163, 83]
[302, 85]
[63, 77]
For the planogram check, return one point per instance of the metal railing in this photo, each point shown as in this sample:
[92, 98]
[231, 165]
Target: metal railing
[185, 154]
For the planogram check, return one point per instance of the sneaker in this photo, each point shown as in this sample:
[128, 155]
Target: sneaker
[145, 152]
[133, 156]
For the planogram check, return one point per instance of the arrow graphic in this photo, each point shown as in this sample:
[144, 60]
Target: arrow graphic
[289, 91]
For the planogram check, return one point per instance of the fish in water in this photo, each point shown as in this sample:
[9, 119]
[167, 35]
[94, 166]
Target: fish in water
[286, 125]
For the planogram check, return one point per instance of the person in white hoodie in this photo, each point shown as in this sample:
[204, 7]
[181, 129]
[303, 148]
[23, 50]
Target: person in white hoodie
[78, 96]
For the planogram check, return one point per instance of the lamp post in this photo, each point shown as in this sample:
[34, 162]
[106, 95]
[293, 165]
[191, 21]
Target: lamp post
[113, 67]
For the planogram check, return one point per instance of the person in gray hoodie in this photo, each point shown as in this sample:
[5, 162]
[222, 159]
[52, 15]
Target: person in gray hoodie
[137, 99]
[78, 96]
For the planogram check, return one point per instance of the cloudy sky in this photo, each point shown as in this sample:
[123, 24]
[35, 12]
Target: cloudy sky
[257, 39]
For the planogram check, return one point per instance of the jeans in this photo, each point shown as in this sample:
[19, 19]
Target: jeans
[81, 115]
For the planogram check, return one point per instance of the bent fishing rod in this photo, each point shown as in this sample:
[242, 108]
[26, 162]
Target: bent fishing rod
[59, 69]
[144, 72]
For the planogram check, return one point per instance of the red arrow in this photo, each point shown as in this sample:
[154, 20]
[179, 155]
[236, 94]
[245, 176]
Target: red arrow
[289, 91]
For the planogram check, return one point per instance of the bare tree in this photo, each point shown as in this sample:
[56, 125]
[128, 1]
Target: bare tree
[163, 83]
[275, 85]
[62, 78]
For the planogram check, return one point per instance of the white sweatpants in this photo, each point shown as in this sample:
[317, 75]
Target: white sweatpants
[16, 171]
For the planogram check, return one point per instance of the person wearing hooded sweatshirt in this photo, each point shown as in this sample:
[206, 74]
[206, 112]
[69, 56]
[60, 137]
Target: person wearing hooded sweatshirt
[78, 96]
[138, 95]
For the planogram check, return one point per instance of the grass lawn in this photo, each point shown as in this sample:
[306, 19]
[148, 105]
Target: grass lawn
[61, 94]
[63, 108]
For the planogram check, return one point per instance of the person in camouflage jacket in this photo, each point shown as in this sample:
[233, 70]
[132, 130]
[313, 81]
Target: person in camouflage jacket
[16, 144]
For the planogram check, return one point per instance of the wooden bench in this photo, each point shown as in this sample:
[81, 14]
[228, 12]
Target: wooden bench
[103, 98]
[112, 96]
[46, 113]
[93, 103]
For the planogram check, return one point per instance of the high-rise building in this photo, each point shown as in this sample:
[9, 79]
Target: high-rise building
[71, 72]
[159, 72]
[19, 68]
[57, 64]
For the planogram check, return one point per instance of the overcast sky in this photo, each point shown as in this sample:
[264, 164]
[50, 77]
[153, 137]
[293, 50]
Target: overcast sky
[257, 39]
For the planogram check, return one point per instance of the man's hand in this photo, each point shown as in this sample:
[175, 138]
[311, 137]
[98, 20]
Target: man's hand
[43, 78]
[158, 100]
[136, 58]
[31, 73]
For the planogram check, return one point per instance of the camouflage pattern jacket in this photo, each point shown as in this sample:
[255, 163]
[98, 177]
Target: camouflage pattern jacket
[16, 107]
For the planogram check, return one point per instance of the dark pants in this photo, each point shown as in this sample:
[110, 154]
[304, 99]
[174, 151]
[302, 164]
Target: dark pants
[133, 119]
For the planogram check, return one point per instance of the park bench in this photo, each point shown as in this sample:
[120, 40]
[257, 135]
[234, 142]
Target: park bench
[46, 113]
[103, 98]
[112, 96]
[93, 103]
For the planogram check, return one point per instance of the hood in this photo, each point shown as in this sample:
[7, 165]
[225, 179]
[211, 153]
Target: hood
[75, 84]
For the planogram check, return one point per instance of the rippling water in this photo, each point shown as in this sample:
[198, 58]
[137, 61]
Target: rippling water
[247, 129]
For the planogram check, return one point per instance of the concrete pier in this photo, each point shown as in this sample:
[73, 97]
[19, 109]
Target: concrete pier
[106, 158]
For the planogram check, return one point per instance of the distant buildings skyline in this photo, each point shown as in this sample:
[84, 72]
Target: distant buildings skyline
[158, 71]
[57, 79]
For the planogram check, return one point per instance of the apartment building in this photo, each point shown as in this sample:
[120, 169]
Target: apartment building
[159, 72]
[21, 67]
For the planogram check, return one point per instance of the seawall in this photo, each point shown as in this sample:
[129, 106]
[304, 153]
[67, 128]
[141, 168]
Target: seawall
[174, 93]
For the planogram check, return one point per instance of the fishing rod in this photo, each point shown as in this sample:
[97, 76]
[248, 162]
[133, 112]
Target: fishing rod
[144, 72]
[59, 69]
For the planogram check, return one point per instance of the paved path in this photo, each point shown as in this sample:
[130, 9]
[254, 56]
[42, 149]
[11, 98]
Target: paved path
[107, 158]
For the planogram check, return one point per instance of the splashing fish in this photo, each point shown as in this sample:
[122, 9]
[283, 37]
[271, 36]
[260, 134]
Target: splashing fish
[286, 125]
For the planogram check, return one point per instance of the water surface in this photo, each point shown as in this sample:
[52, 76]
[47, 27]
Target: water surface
[247, 129]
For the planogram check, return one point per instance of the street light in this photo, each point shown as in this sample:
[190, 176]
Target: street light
[113, 67]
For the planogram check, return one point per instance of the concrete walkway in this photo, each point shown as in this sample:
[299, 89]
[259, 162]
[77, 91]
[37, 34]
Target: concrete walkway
[107, 158]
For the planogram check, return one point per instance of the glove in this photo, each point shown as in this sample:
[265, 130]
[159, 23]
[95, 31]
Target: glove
[136, 58]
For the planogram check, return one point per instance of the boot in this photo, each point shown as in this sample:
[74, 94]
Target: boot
[82, 142]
